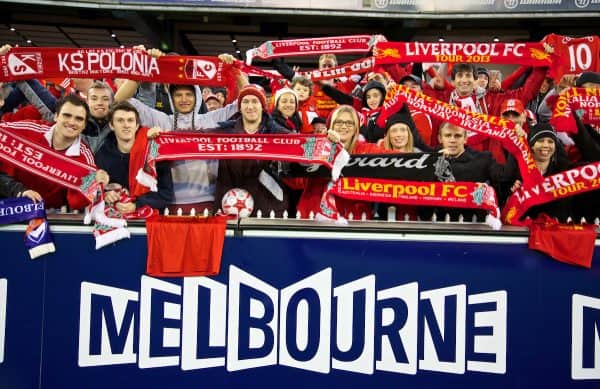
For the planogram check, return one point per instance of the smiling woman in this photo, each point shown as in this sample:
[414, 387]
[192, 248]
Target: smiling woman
[545, 145]
[285, 110]
[343, 121]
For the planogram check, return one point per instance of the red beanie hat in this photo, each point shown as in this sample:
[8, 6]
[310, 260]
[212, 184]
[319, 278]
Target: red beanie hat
[255, 90]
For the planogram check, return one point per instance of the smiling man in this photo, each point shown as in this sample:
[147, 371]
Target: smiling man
[470, 165]
[99, 98]
[259, 178]
[114, 157]
[63, 137]
[194, 181]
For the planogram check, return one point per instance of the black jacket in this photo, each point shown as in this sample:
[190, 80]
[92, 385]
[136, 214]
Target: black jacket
[294, 123]
[116, 164]
[587, 140]
[9, 187]
[474, 166]
[237, 173]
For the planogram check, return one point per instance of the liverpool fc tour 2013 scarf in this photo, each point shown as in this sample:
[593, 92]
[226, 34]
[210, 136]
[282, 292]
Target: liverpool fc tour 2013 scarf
[519, 53]
[38, 239]
[557, 186]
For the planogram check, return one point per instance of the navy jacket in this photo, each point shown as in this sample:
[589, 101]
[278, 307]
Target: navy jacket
[116, 164]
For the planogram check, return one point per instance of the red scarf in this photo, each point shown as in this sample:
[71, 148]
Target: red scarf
[455, 194]
[137, 160]
[313, 46]
[585, 102]
[50, 165]
[24, 63]
[256, 71]
[359, 66]
[46, 163]
[286, 147]
[530, 54]
[483, 124]
[557, 186]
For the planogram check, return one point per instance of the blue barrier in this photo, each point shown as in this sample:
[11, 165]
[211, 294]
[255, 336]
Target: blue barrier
[316, 310]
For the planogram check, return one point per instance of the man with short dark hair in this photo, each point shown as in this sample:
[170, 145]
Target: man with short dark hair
[252, 175]
[114, 157]
[63, 137]
[467, 95]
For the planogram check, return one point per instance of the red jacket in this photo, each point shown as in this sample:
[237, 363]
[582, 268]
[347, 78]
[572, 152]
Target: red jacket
[315, 187]
[304, 108]
[54, 195]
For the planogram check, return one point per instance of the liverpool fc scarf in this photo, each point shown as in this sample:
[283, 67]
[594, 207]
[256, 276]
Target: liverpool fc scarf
[455, 194]
[288, 147]
[19, 151]
[359, 66]
[529, 54]
[24, 63]
[38, 238]
[314, 46]
[557, 186]
[483, 124]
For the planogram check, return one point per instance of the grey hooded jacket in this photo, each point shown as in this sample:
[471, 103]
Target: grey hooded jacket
[193, 181]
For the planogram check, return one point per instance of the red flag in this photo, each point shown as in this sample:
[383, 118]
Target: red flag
[181, 246]
[568, 243]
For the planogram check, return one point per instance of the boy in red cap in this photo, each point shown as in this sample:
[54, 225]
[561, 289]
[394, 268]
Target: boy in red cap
[514, 110]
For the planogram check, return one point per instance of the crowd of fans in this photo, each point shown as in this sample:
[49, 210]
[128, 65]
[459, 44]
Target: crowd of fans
[96, 121]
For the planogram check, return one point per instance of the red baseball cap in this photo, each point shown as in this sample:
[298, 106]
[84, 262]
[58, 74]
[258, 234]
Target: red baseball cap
[512, 105]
